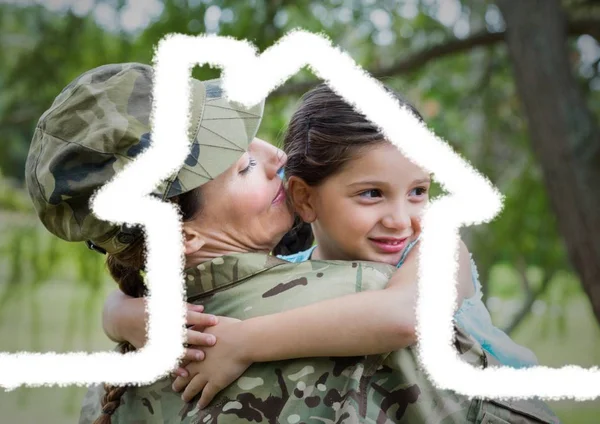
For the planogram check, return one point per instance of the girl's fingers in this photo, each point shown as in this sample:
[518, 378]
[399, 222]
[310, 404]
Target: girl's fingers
[180, 383]
[199, 319]
[190, 355]
[193, 388]
[179, 372]
[196, 338]
[208, 393]
[195, 308]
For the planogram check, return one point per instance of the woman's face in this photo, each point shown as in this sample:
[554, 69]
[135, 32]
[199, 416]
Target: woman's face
[245, 209]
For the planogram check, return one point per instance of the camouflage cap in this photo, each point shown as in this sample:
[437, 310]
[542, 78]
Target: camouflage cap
[99, 123]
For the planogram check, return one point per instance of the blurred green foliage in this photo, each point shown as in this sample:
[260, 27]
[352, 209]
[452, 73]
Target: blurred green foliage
[468, 98]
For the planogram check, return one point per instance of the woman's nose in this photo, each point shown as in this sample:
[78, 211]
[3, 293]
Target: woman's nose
[272, 157]
[277, 159]
[282, 160]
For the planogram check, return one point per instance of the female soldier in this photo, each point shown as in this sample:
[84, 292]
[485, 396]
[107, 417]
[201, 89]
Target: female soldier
[234, 211]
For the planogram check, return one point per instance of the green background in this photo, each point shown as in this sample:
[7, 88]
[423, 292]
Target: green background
[51, 292]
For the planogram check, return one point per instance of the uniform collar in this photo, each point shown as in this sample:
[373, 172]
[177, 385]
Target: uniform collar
[225, 271]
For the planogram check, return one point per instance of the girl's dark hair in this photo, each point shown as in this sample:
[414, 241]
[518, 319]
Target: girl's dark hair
[323, 135]
[127, 268]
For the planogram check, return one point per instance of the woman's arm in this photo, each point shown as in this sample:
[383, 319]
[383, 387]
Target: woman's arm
[122, 318]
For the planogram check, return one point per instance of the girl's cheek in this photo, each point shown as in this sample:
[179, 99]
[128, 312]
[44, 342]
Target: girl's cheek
[420, 209]
[416, 221]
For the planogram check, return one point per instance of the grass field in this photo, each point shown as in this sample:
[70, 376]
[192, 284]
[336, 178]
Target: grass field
[57, 305]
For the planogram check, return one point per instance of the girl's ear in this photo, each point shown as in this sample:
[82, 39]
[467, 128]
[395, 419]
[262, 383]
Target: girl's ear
[192, 242]
[302, 198]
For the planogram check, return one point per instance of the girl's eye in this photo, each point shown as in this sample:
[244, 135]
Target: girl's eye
[371, 193]
[251, 164]
[419, 191]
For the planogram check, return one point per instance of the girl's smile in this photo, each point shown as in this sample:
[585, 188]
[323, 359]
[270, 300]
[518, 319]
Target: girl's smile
[389, 245]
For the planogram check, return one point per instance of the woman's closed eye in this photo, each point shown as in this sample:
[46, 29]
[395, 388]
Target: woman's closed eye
[251, 164]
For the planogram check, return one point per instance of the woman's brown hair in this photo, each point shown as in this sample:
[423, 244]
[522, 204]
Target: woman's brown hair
[323, 135]
[127, 268]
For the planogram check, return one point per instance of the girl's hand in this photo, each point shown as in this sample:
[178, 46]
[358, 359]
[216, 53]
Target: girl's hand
[465, 287]
[197, 322]
[407, 274]
[224, 363]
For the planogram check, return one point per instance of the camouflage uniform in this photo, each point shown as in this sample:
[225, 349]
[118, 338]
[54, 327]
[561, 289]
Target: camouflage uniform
[94, 128]
[388, 388]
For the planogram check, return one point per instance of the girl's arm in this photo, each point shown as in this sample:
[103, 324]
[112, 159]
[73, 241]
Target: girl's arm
[357, 324]
[380, 320]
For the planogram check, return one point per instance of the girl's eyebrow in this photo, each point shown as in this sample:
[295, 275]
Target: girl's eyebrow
[370, 183]
[422, 181]
[384, 183]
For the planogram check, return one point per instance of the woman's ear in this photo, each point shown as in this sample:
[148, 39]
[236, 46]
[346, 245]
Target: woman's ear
[192, 241]
[302, 198]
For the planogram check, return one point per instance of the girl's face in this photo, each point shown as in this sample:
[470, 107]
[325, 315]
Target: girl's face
[245, 208]
[370, 210]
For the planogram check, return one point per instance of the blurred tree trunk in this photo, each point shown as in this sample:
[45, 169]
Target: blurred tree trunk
[564, 133]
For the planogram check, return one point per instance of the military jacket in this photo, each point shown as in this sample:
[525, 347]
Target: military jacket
[377, 389]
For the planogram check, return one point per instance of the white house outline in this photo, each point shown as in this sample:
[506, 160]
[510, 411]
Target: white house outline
[248, 79]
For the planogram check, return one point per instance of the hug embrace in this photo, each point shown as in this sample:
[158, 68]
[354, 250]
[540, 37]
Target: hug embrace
[300, 264]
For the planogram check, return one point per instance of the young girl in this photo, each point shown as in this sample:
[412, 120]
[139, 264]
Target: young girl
[363, 199]
[345, 182]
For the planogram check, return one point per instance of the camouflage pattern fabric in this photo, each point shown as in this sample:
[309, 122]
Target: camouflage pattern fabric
[378, 389]
[99, 123]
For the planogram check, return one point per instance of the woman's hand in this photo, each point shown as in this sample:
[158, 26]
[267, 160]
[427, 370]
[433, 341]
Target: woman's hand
[224, 363]
[124, 319]
[196, 337]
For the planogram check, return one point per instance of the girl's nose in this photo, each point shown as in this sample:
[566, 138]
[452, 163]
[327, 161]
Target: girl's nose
[397, 219]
